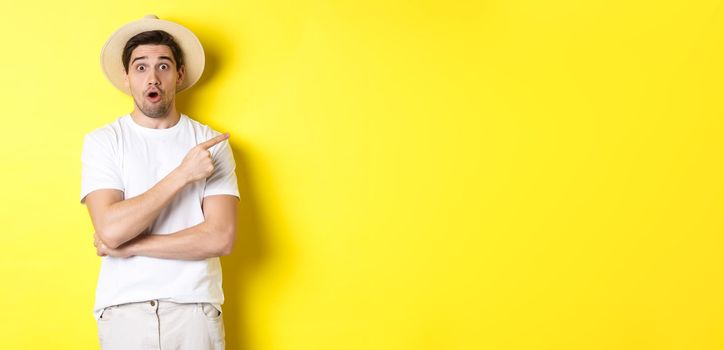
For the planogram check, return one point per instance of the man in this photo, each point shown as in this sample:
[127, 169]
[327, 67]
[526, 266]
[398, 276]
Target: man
[162, 195]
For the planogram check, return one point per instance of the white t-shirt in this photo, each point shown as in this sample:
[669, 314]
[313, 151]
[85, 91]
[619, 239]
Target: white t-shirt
[129, 157]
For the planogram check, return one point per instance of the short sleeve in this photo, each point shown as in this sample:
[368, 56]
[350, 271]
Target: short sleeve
[223, 180]
[99, 169]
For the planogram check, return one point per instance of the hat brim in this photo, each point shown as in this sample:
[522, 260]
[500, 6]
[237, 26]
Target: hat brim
[193, 52]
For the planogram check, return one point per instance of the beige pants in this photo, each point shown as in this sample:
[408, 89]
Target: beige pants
[161, 325]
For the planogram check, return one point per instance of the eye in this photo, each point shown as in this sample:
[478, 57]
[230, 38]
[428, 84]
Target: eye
[141, 68]
[163, 66]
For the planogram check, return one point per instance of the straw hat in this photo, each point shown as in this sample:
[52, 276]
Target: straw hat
[112, 51]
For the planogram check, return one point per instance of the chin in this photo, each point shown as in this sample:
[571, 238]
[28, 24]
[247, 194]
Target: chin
[155, 112]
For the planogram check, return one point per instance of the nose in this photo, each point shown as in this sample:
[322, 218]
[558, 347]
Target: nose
[153, 78]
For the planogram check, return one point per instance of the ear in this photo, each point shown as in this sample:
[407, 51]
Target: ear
[181, 75]
[125, 79]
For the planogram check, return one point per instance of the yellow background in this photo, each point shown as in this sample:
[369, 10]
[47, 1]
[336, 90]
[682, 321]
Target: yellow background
[414, 174]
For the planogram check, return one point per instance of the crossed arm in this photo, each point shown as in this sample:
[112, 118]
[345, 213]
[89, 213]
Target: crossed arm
[121, 225]
[215, 236]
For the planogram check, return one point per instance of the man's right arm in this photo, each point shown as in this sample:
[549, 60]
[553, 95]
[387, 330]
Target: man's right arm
[117, 221]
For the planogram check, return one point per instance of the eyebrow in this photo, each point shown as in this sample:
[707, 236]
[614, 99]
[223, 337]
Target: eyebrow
[145, 57]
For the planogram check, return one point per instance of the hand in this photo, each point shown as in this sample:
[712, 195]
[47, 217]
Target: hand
[197, 164]
[103, 250]
[97, 243]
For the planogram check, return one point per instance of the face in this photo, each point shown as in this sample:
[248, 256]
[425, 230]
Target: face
[153, 78]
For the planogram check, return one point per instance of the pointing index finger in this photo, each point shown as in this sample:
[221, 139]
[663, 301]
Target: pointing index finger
[210, 142]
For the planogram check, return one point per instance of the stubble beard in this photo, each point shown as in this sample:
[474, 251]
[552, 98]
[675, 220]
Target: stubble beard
[158, 110]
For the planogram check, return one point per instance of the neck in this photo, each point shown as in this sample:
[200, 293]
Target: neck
[163, 122]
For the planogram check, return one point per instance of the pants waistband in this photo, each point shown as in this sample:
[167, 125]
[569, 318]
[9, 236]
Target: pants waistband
[153, 304]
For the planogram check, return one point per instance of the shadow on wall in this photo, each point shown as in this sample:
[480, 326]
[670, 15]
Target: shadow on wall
[249, 254]
[251, 249]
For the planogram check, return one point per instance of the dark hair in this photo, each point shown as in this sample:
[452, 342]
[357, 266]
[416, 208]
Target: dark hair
[153, 37]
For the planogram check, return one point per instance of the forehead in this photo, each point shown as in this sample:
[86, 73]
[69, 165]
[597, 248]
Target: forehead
[151, 51]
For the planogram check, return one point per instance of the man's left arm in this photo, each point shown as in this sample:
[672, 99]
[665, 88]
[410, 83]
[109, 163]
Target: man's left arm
[211, 238]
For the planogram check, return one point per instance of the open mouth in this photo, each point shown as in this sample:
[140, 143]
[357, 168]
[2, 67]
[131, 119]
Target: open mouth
[153, 96]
